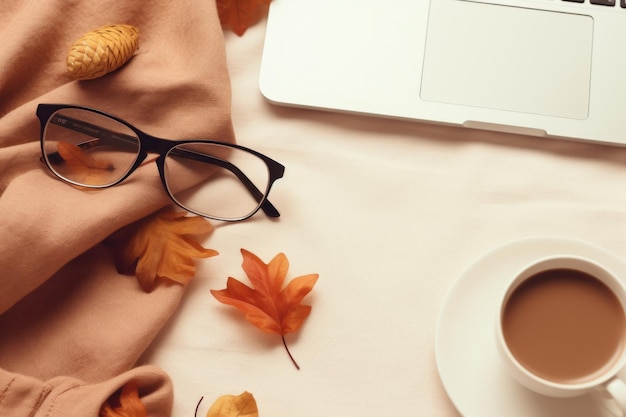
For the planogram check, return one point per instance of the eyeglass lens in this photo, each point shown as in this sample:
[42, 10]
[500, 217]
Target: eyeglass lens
[226, 181]
[206, 178]
[89, 149]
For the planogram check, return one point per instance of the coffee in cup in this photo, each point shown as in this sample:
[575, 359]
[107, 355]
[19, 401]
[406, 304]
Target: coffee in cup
[561, 328]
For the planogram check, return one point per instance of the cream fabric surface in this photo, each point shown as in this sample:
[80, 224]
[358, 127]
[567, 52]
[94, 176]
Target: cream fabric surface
[390, 214]
[71, 327]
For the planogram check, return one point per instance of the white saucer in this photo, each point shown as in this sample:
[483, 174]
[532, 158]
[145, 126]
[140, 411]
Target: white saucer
[466, 354]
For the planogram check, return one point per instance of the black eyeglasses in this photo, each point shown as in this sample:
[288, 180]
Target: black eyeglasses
[222, 181]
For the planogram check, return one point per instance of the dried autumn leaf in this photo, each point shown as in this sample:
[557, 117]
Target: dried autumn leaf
[124, 404]
[82, 166]
[161, 246]
[242, 405]
[239, 15]
[268, 305]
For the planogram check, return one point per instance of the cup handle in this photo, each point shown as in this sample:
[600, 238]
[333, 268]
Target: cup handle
[617, 389]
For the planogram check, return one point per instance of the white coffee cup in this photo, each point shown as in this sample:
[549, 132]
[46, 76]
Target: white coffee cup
[561, 328]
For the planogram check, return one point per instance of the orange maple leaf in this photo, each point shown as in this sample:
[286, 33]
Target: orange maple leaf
[125, 403]
[161, 246]
[268, 305]
[239, 15]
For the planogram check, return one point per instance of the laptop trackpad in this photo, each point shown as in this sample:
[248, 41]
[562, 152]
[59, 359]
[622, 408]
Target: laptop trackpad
[508, 58]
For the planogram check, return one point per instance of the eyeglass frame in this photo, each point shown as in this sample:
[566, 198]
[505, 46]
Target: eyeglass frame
[151, 144]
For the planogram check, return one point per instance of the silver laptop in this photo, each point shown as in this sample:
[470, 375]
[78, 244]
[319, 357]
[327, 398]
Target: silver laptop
[537, 67]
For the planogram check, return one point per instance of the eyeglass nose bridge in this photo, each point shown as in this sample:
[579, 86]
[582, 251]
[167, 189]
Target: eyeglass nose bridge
[152, 144]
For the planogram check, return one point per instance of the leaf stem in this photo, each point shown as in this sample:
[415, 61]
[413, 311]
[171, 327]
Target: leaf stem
[198, 406]
[289, 353]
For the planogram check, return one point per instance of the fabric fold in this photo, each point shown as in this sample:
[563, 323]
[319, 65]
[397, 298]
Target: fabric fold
[24, 396]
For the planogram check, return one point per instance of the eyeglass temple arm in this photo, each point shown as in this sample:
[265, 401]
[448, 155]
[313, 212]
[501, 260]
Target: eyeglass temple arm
[104, 135]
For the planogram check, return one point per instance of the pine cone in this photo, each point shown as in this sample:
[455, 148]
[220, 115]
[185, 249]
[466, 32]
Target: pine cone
[102, 51]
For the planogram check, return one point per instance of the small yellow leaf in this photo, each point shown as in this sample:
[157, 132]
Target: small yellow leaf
[242, 405]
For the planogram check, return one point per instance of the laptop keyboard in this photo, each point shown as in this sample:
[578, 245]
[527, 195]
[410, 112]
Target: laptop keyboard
[610, 3]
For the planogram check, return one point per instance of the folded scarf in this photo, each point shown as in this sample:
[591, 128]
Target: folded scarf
[71, 327]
